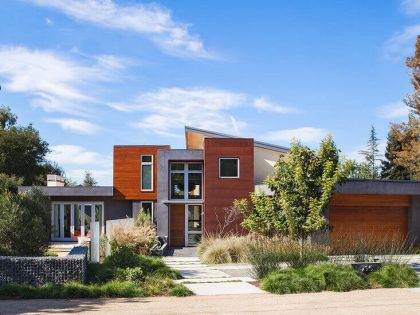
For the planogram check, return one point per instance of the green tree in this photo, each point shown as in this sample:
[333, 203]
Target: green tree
[302, 187]
[89, 181]
[390, 169]
[371, 155]
[22, 151]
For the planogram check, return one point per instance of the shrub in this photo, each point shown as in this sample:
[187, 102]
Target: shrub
[336, 277]
[123, 257]
[31, 210]
[155, 266]
[115, 288]
[157, 286]
[394, 276]
[267, 255]
[222, 250]
[130, 274]
[180, 290]
[100, 273]
[290, 281]
[138, 237]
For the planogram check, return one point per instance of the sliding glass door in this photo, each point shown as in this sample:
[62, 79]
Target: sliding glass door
[70, 220]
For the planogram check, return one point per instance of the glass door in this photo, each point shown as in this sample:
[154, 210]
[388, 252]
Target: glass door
[194, 224]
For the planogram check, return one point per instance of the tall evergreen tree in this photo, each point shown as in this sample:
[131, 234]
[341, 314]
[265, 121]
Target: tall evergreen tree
[89, 181]
[371, 155]
[390, 169]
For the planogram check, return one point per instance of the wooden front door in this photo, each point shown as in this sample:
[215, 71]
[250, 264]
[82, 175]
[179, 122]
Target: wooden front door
[177, 225]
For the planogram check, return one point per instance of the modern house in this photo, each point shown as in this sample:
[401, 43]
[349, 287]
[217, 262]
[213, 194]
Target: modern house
[188, 192]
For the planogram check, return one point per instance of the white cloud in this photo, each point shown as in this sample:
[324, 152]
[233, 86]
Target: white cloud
[48, 21]
[304, 134]
[54, 82]
[356, 155]
[394, 110]
[169, 109]
[411, 6]
[151, 20]
[102, 176]
[402, 44]
[75, 125]
[72, 154]
[263, 104]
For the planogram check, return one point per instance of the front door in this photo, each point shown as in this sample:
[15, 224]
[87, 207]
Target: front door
[177, 226]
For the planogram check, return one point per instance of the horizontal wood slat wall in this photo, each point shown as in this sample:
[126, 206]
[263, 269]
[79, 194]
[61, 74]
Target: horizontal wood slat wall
[340, 199]
[177, 225]
[127, 172]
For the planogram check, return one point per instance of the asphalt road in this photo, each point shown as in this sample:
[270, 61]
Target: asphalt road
[379, 301]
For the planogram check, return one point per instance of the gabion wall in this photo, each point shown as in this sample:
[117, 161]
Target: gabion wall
[40, 270]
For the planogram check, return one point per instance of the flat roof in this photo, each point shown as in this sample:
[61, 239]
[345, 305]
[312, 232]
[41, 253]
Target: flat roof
[259, 144]
[99, 191]
[379, 186]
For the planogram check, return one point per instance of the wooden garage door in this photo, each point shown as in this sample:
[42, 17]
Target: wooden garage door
[177, 226]
[379, 216]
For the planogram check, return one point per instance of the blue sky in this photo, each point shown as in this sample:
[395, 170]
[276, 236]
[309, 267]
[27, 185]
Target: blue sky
[90, 74]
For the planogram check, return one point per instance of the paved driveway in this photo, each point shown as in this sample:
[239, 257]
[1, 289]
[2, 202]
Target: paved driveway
[380, 301]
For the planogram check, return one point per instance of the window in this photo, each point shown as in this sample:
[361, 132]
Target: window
[194, 224]
[147, 208]
[186, 180]
[229, 167]
[147, 172]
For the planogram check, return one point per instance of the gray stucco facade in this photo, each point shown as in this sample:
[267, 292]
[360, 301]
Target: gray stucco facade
[162, 208]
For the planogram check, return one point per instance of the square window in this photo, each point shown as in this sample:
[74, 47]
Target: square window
[229, 167]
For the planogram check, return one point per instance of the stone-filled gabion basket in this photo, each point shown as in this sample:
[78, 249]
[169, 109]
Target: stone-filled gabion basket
[39, 270]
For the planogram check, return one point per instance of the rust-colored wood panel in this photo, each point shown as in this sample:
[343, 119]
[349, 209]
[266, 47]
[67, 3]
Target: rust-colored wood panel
[177, 225]
[221, 192]
[127, 172]
[194, 140]
[340, 199]
[378, 222]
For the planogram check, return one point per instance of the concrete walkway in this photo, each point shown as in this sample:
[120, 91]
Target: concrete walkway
[210, 280]
[379, 301]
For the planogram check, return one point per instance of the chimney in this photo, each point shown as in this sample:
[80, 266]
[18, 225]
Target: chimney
[55, 180]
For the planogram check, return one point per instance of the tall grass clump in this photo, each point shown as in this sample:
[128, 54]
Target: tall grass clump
[266, 255]
[394, 275]
[369, 248]
[224, 249]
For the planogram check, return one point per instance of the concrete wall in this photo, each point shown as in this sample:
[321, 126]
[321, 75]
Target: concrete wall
[264, 161]
[161, 207]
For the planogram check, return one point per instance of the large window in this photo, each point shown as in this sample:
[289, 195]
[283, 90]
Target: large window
[194, 224]
[229, 167]
[71, 220]
[146, 172]
[186, 180]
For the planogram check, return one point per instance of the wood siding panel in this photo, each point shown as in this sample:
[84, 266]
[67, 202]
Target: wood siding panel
[177, 225]
[221, 192]
[340, 199]
[127, 172]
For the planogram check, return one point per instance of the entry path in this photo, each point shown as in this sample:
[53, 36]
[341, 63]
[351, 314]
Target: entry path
[209, 280]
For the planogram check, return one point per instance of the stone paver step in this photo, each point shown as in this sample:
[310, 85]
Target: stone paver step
[216, 280]
[223, 288]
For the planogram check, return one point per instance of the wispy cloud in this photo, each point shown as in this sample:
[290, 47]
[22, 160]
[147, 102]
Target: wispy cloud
[75, 125]
[169, 109]
[151, 20]
[48, 21]
[411, 7]
[304, 134]
[393, 110]
[55, 82]
[264, 104]
[402, 43]
[77, 159]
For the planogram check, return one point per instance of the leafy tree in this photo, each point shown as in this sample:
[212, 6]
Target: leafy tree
[25, 222]
[408, 134]
[371, 155]
[22, 151]
[89, 181]
[302, 186]
[390, 169]
[9, 183]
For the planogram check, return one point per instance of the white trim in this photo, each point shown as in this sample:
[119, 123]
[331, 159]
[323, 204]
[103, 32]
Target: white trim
[230, 158]
[72, 204]
[141, 171]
